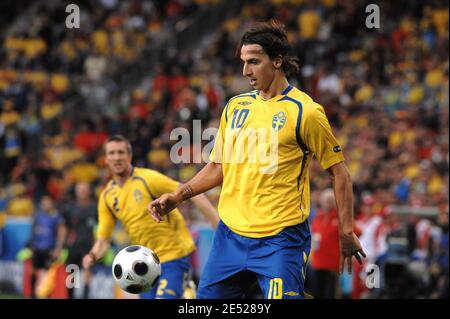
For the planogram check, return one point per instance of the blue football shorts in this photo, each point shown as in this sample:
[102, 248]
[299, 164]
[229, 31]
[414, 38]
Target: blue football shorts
[171, 282]
[277, 263]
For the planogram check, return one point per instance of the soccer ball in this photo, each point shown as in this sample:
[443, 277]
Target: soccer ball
[136, 269]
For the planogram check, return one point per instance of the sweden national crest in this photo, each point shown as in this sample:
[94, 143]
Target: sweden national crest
[278, 121]
[137, 195]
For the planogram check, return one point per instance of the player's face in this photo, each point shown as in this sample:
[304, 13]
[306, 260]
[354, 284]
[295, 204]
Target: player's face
[257, 66]
[117, 157]
[46, 203]
[82, 191]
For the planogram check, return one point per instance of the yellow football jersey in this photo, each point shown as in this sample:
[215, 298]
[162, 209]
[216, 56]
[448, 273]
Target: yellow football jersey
[265, 148]
[169, 239]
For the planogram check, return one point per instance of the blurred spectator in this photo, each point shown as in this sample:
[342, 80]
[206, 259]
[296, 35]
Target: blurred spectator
[47, 238]
[89, 138]
[95, 64]
[442, 255]
[438, 262]
[19, 203]
[3, 207]
[325, 248]
[60, 153]
[83, 171]
[373, 238]
[80, 219]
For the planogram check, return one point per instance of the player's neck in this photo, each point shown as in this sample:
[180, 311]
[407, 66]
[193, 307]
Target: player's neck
[275, 88]
[120, 179]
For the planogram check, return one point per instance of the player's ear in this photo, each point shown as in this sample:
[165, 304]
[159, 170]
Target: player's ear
[278, 62]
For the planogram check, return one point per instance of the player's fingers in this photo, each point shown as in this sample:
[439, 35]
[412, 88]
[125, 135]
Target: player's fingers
[341, 263]
[160, 202]
[156, 216]
[358, 258]
[349, 264]
[156, 209]
[361, 251]
[151, 209]
[152, 206]
[155, 206]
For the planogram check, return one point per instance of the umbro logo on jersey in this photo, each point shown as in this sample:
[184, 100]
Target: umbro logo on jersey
[244, 103]
[337, 149]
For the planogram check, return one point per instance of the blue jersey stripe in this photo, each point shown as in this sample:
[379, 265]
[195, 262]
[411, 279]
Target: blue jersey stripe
[287, 90]
[106, 202]
[226, 112]
[302, 145]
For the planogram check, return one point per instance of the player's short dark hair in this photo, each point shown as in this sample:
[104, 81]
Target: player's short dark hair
[272, 37]
[118, 138]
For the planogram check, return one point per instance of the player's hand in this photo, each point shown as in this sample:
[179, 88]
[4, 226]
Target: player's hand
[350, 246]
[88, 261]
[163, 205]
[55, 254]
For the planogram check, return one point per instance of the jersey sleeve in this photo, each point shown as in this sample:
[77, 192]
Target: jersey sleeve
[319, 138]
[160, 184]
[106, 219]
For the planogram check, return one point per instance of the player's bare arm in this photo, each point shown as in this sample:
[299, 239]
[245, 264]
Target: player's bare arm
[60, 239]
[209, 177]
[97, 252]
[343, 191]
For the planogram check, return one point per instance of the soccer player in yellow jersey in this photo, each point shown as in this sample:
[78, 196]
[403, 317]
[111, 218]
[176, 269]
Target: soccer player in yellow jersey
[125, 198]
[264, 204]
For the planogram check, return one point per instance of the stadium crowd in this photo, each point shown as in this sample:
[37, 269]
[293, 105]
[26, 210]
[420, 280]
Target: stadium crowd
[384, 90]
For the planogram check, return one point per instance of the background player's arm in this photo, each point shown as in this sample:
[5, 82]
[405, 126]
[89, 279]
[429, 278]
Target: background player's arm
[106, 224]
[60, 239]
[209, 177]
[207, 209]
[101, 246]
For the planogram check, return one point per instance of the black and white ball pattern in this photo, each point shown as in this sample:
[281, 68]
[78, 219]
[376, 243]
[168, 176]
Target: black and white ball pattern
[136, 269]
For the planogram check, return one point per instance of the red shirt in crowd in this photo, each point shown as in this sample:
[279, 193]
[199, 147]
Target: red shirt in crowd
[89, 141]
[325, 232]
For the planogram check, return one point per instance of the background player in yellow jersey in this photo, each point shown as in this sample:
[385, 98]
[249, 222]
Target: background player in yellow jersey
[125, 198]
[264, 203]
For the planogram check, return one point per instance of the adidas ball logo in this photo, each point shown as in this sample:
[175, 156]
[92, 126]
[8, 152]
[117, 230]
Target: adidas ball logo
[129, 277]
